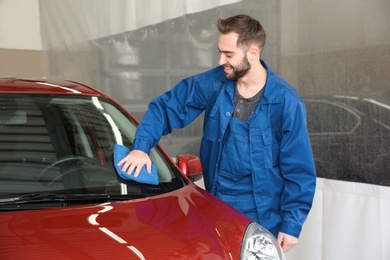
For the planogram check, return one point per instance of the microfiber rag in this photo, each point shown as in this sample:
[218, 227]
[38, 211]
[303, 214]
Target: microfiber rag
[120, 152]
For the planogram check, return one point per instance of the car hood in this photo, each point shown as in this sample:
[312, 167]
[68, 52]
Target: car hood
[183, 224]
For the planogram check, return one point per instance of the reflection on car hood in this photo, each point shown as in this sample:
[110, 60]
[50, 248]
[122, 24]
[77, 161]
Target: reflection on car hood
[162, 227]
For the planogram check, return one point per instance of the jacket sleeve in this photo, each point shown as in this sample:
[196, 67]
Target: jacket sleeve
[298, 170]
[175, 108]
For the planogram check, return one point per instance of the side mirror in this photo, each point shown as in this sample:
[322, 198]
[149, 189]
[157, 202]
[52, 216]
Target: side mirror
[190, 165]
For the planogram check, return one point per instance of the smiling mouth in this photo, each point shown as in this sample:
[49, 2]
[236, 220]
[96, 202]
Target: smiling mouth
[228, 69]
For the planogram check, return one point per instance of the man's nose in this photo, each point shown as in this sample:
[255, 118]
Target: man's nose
[222, 59]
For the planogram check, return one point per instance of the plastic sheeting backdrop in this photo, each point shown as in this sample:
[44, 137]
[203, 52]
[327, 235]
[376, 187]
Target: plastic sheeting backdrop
[336, 54]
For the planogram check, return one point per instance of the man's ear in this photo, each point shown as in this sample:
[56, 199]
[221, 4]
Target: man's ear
[253, 53]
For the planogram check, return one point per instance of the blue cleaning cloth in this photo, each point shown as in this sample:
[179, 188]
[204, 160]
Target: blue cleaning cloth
[121, 152]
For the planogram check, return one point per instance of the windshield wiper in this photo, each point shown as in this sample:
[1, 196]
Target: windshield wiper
[53, 197]
[31, 197]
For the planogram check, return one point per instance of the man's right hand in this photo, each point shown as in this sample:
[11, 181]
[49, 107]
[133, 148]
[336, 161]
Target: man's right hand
[136, 159]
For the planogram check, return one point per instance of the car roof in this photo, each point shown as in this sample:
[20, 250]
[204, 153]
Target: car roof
[45, 86]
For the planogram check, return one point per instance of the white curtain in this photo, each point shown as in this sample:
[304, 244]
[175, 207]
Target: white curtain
[67, 22]
[19, 25]
[348, 221]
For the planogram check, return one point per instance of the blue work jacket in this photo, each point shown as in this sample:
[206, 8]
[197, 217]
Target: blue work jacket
[282, 163]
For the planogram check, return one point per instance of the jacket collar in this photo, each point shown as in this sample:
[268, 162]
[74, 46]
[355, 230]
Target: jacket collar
[271, 88]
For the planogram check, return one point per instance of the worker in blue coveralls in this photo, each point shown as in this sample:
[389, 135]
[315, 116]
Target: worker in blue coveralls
[255, 149]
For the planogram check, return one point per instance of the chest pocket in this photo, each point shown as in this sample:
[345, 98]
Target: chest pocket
[211, 124]
[216, 121]
[271, 148]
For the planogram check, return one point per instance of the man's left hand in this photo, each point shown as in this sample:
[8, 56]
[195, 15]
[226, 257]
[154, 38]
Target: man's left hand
[286, 241]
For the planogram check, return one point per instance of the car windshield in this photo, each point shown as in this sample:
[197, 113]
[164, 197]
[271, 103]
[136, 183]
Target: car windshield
[63, 144]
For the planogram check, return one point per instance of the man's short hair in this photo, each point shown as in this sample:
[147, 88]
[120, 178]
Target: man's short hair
[249, 30]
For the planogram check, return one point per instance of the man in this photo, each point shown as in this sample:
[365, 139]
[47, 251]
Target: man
[255, 149]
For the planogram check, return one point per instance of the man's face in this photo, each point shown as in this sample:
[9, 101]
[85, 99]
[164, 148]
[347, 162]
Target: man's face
[232, 58]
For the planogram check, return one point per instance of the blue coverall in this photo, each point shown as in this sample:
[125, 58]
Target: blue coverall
[280, 156]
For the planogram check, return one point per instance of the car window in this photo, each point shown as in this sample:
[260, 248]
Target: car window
[330, 118]
[349, 137]
[64, 144]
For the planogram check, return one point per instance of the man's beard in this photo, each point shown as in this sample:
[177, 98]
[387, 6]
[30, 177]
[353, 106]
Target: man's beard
[238, 71]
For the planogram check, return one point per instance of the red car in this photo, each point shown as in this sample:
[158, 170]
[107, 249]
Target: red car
[61, 198]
